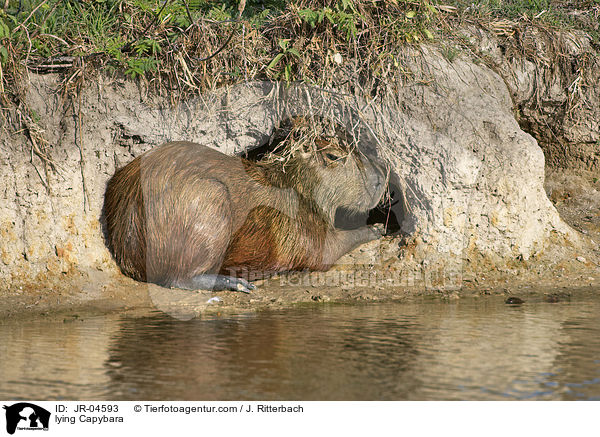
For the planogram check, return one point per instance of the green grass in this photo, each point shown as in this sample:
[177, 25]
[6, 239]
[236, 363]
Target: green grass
[142, 37]
[557, 14]
[166, 43]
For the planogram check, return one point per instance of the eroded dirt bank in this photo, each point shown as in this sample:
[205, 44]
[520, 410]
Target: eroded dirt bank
[478, 216]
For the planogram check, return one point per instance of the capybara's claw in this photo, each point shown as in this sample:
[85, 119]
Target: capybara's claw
[234, 284]
[215, 283]
[244, 286]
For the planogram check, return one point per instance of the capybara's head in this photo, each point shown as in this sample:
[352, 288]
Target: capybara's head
[328, 167]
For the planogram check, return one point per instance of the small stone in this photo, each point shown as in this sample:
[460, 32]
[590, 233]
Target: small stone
[581, 259]
[513, 300]
[552, 298]
[214, 300]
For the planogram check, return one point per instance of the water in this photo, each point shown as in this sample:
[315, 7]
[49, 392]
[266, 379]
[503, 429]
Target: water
[470, 349]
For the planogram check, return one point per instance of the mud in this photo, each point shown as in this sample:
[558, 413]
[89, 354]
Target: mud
[78, 298]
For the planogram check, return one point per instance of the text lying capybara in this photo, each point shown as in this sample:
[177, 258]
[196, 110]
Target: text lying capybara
[187, 216]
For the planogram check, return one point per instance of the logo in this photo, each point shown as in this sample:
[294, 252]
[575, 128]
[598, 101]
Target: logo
[26, 416]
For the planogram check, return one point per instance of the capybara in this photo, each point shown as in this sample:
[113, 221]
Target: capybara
[187, 216]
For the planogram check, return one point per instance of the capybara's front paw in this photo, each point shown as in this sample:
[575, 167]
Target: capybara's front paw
[239, 284]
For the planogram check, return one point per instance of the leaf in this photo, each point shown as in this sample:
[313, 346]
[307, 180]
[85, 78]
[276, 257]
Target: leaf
[130, 72]
[4, 30]
[321, 16]
[3, 54]
[347, 4]
[294, 52]
[428, 34]
[329, 15]
[411, 14]
[431, 9]
[275, 60]
[309, 16]
[284, 44]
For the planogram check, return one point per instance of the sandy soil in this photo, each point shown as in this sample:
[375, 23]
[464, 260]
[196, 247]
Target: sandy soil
[576, 196]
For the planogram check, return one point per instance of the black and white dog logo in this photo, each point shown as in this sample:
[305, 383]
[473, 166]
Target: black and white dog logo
[26, 416]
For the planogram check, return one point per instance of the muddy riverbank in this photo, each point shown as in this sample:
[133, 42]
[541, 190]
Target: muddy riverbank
[124, 295]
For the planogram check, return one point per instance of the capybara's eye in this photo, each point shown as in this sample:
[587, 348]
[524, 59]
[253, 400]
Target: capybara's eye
[332, 156]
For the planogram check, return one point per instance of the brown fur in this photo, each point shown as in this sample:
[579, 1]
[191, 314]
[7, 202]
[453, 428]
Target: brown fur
[182, 210]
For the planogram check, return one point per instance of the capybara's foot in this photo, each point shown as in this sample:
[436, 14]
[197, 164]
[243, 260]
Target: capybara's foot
[215, 283]
[235, 284]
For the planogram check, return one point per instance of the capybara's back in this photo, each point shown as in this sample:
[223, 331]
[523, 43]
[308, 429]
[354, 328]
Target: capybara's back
[165, 214]
[185, 215]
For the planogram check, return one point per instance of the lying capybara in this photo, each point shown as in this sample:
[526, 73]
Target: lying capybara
[187, 216]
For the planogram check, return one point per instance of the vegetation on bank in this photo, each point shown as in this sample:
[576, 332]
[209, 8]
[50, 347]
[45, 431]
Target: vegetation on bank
[191, 45]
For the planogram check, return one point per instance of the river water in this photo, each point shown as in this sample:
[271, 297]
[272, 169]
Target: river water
[468, 349]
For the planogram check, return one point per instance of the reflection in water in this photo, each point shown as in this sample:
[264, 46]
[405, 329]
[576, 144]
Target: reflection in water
[55, 359]
[471, 349]
[312, 354]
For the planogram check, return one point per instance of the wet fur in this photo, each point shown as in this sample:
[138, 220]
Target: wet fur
[183, 210]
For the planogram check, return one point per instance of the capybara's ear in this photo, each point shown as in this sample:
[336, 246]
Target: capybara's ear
[320, 142]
